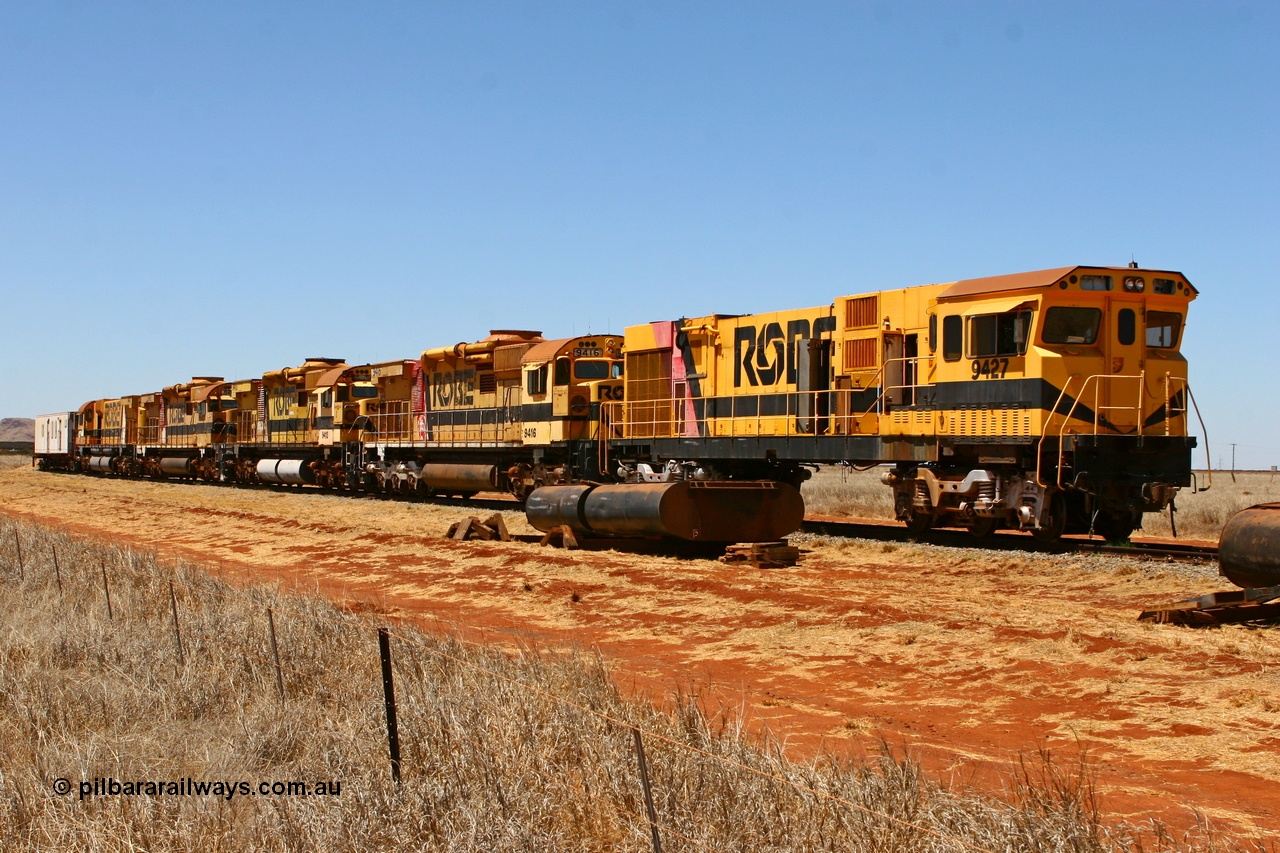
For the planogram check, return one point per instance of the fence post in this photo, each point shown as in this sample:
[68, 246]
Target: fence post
[648, 794]
[22, 574]
[177, 634]
[389, 696]
[57, 572]
[106, 589]
[275, 654]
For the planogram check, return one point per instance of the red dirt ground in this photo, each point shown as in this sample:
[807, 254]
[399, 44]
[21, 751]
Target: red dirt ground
[970, 660]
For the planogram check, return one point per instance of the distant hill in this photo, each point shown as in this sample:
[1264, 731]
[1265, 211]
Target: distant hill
[17, 429]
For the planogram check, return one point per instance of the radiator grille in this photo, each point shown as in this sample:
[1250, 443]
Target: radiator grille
[862, 313]
[860, 354]
[649, 393]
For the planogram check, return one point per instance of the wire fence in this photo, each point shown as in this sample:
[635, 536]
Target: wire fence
[683, 773]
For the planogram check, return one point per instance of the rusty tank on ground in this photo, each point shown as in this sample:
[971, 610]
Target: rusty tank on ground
[702, 511]
[1249, 547]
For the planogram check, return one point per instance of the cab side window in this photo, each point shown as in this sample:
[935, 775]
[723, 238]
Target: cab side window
[999, 334]
[1163, 328]
[1067, 325]
[537, 381]
[952, 337]
[562, 370]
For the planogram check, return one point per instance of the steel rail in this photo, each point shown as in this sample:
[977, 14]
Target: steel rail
[1006, 540]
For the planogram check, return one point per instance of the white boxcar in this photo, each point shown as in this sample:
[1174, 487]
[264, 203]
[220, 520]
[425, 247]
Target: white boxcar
[53, 434]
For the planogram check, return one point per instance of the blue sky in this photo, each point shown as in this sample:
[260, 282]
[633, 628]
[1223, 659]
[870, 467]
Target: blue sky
[226, 188]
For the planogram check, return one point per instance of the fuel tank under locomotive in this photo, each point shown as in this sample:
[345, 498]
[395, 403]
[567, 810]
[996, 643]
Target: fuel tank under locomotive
[1249, 547]
[697, 510]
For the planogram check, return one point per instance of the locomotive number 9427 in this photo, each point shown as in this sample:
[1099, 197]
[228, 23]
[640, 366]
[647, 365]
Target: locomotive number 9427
[990, 368]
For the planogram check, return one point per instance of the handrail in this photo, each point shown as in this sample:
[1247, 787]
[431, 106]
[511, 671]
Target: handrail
[1208, 468]
[1044, 433]
[878, 403]
[1062, 453]
[1097, 380]
[670, 416]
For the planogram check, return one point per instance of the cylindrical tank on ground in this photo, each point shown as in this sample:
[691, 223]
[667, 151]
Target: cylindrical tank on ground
[291, 471]
[176, 466]
[443, 477]
[101, 464]
[1249, 547]
[703, 511]
[555, 506]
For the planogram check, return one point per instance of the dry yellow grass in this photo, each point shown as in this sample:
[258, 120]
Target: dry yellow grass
[493, 761]
[9, 461]
[834, 490]
[971, 657]
[1202, 515]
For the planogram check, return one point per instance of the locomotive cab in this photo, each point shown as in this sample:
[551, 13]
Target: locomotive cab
[1061, 402]
[1115, 340]
[565, 382]
[105, 433]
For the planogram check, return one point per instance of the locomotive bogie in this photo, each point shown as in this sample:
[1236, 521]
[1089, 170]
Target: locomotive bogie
[979, 499]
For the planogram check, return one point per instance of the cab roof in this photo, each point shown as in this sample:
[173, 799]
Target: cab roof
[544, 351]
[547, 350]
[1037, 279]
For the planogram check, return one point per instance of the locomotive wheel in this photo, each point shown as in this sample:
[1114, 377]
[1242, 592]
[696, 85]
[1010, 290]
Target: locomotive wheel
[1114, 526]
[919, 522]
[1055, 521]
[982, 527]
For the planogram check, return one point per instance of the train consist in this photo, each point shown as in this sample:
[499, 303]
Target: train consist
[1051, 401]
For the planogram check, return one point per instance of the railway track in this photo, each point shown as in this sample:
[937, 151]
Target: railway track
[890, 531]
[882, 531]
[1007, 540]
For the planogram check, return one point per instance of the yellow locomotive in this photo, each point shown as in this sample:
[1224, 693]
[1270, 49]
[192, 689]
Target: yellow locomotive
[1053, 400]
[509, 413]
[1050, 401]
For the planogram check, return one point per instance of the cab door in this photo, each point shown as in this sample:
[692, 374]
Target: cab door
[560, 387]
[1121, 395]
[894, 382]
